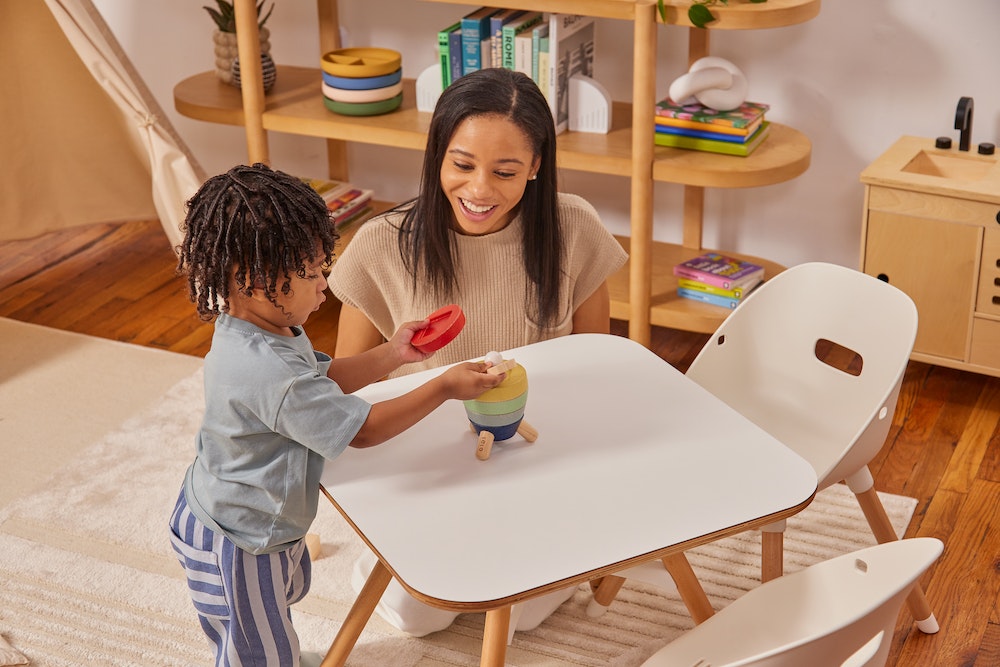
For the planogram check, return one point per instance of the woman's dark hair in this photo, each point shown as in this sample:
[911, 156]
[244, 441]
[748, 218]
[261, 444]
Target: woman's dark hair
[426, 230]
[256, 224]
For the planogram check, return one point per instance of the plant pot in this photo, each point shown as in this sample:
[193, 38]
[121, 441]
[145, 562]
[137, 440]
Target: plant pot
[269, 73]
[226, 52]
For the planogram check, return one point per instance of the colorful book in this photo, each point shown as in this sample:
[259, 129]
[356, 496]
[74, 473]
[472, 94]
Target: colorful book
[475, 28]
[497, 22]
[714, 146]
[736, 293]
[444, 52]
[742, 116]
[719, 270]
[571, 51]
[701, 134]
[705, 297]
[509, 33]
[664, 121]
[348, 204]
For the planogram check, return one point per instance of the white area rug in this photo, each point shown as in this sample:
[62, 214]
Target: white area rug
[87, 575]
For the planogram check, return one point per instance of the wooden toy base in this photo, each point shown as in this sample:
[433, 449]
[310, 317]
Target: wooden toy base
[485, 444]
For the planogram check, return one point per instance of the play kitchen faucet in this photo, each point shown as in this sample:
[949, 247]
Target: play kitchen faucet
[963, 122]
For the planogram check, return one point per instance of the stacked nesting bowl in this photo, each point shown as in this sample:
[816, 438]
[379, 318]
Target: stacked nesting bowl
[362, 81]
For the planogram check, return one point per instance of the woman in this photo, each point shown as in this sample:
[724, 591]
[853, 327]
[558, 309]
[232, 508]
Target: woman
[490, 232]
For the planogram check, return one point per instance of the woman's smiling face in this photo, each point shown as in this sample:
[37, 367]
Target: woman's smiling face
[486, 168]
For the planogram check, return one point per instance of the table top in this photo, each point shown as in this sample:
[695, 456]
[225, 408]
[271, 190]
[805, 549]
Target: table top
[633, 461]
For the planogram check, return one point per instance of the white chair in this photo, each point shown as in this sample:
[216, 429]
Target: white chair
[839, 612]
[770, 360]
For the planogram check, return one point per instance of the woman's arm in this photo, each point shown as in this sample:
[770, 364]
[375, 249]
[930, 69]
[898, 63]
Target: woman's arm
[355, 333]
[593, 315]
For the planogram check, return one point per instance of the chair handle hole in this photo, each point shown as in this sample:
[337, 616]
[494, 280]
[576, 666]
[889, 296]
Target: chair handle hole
[839, 357]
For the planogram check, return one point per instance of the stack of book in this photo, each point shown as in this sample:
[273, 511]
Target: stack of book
[548, 47]
[347, 203]
[701, 128]
[716, 279]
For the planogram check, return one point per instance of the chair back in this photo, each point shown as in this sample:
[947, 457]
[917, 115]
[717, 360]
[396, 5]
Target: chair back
[763, 361]
[839, 612]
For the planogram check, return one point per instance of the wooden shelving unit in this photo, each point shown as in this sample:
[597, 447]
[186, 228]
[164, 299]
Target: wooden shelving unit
[644, 292]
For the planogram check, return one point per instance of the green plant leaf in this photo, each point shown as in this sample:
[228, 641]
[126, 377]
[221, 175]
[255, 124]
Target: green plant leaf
[699, 15]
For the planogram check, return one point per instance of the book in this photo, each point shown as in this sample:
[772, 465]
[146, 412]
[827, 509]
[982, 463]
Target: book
[455, 53]
[713, 146]
[523, 52]
[475, 28]
[736, 293]
[543, 66]
[739, 117]
[719, 270]
[444, 52]
[571, 51]
[539, 37]
[705, 297]
[497, 22]
[701, 134]
[509, 33]
[664, 121]
[348, 204]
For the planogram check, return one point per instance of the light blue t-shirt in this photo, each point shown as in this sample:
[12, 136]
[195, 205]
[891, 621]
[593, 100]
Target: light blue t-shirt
[271, 418]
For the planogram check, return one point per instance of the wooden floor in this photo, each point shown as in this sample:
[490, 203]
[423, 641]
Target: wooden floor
[118, 281]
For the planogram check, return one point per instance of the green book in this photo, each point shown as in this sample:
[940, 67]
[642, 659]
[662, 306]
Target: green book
[508, 34]
[444, 53]
[713, 146]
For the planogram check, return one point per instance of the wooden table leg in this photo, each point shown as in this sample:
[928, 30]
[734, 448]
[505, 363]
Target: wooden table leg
[689, 587]
[358, 616]
[495, 637]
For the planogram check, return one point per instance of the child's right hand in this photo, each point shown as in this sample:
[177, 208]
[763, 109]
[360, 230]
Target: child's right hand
[469, 380]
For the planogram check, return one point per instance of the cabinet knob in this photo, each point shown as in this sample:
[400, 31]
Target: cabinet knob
[884, 278]
[998, 216]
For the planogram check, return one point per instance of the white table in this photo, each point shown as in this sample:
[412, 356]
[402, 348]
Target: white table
[633, 462]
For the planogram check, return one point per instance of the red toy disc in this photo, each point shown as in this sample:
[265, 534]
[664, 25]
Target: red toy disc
[445, 324]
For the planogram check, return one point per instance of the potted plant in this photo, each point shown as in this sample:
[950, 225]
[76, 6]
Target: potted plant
[226, 51]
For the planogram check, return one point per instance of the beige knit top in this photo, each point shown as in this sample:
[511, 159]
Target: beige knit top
[491, 285]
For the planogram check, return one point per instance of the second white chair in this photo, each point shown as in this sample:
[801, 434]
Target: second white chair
[838, 613]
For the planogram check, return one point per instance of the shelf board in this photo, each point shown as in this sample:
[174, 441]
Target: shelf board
[295, 106]
[666, 308]
[744, 15]
[783, 155]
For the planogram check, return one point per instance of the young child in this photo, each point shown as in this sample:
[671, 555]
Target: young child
[256, 241]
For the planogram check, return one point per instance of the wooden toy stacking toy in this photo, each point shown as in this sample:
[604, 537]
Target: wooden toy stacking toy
[498, 413]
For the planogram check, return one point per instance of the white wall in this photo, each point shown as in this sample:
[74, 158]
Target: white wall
[853, 79]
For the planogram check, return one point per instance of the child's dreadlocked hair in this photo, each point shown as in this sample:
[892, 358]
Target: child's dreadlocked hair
[256, 224]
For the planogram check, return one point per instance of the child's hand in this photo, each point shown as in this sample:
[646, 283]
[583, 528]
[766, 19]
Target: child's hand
[400, 342]
[469, 380]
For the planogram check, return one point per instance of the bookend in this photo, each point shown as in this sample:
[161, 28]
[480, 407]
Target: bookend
[429, 88]
[589, 105]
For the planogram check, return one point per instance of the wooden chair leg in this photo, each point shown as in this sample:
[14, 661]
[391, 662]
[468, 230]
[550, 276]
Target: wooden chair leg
[882, 528]
[689, 587]
[495, 637]
[358, 616]
[605, 589]
[772, 552]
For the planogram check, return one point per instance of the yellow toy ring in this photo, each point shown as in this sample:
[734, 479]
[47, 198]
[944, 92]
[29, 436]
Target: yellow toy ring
[361, 62]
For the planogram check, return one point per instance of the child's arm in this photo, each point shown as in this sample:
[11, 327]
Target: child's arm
[357, 371]
[389, 418]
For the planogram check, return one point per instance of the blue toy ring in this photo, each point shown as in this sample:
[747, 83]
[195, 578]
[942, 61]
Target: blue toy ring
[363, 83]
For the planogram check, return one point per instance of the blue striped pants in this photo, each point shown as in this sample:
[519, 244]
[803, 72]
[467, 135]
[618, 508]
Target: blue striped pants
[243, 601]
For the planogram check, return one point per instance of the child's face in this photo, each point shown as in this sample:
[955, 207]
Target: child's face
[305, 296]
[485, 171]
